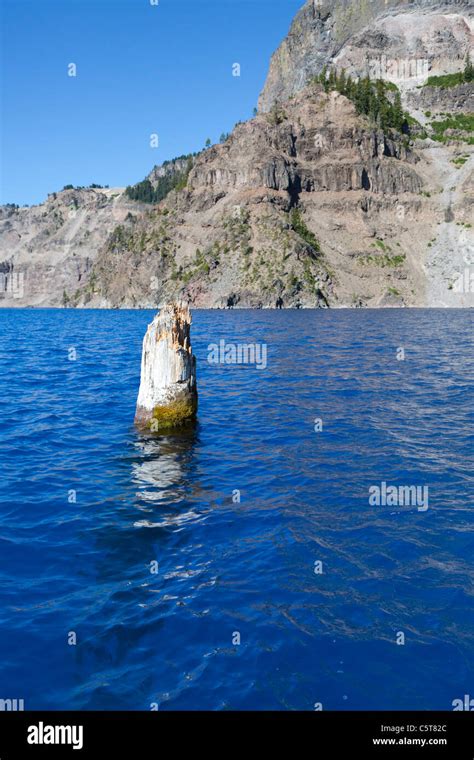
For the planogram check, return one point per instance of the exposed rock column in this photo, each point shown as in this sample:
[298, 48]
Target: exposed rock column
[168, 395]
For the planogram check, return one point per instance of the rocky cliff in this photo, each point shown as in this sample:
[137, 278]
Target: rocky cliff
[310, 206]
[47, 251]
[312, 203]
[403, 40]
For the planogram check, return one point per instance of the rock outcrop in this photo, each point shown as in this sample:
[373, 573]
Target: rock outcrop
[309, 204]
[299, 211]
[51, 248]
[450, 100]
[169, 169]
[399, 40]
[167, 397]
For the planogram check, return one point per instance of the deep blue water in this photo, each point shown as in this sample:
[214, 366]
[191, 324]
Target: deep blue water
[247, 567]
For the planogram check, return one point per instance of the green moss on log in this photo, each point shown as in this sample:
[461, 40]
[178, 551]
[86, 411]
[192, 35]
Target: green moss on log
[173, 415]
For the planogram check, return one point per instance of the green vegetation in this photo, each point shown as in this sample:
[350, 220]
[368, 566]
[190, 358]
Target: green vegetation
[277, 115]
[445, 80]
[452, 80]
[174, 180]
[93, 186]
[284, 266]
[90, 287]
[369, 97]
[468, 69]
[386, 260]
[393, 292]
[237, 231]
[173, 415]
[298, 225]
[310, 277]
[146, 193]
[201, 263]
[236, 236]
[124, 239]
[463, 122]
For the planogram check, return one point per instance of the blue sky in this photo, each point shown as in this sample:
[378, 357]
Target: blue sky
[141, 69]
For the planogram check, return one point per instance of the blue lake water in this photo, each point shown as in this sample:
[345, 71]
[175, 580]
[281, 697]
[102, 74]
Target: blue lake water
[168, 638]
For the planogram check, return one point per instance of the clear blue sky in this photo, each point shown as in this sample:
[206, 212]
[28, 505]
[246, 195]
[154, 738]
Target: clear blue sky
[141, 69]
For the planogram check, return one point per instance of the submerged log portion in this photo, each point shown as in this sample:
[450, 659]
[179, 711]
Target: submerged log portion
[167, 397]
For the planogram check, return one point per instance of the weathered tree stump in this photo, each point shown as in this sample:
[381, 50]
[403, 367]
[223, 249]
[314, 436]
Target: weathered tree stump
[167, 397]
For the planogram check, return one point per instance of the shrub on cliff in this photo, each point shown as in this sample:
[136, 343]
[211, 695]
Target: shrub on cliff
[174, 180]
[452, 80]
[369, 97]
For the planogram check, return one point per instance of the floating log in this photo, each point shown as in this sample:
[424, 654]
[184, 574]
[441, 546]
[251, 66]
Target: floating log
[167, 397]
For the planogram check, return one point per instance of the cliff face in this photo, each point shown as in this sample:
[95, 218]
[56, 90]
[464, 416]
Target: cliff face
[47, 251]
[406, 39]
[302, 208]
[308, 204]
[169, 169]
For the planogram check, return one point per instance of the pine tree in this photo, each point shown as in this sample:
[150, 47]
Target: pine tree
[385, 114]
[366, 95]
[468, 70]
[323, 78]
[398, 115]
[357, 96]
[378, 104]
[341, 82]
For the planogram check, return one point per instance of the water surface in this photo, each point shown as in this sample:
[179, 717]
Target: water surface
[225, 568]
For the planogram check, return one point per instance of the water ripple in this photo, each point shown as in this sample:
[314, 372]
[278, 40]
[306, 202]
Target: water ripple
[235, 616]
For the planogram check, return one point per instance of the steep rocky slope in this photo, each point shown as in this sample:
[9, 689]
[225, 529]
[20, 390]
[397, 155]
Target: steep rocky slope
[312, 206]
[47, 251]
[399, 40]
[308, 204]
